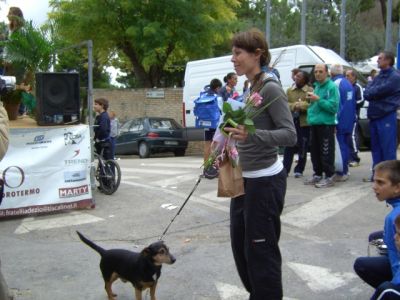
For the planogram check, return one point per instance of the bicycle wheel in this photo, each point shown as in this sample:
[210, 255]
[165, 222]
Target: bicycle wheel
[110, 178]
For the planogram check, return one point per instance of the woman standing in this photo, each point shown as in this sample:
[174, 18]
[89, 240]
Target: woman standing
[228, 89]
[255, 217]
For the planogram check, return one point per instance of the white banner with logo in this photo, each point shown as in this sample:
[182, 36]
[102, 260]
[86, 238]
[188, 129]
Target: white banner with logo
[46, 169]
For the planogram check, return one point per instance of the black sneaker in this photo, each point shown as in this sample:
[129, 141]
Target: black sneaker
[211, 172]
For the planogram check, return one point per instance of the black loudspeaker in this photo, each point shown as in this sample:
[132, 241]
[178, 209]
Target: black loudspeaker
[57, 96]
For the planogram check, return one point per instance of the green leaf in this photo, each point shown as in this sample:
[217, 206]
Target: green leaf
[250, 128]
[227, 108]
[238, 113]
[248, 122]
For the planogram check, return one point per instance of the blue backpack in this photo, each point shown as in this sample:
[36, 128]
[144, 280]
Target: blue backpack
[206, 110]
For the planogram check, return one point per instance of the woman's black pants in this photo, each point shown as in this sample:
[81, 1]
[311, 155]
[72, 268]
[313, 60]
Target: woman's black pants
[255, 231]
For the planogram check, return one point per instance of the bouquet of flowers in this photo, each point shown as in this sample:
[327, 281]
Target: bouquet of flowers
[243, 114]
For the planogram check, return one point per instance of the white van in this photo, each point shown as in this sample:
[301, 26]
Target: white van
[199, 73]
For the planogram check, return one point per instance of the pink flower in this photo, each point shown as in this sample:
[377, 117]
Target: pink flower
[235, 95]
[233, 153]
[255, 99]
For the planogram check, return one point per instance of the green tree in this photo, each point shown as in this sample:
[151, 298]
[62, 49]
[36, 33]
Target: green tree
[152, 36]
[362, 41]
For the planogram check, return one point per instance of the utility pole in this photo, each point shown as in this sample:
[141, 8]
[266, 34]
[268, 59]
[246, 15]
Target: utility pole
[268, 22]
[343, 29]
[303, 22]
[388, 40]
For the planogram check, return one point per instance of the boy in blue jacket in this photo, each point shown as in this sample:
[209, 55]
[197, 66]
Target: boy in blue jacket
[383, 272]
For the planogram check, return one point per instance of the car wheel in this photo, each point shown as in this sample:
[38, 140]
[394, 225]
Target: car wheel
[180, 152]
[144, 150]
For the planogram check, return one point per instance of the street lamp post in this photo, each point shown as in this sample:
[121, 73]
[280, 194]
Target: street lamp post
[303, 22]
[388, 40]
[268, 21]
[343, 29]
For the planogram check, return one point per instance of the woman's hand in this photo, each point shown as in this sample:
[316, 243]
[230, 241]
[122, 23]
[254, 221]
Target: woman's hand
[239, 133]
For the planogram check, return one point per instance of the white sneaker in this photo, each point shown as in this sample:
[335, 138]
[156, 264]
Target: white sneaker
[325, 183]
[341, 178]
[313, 180]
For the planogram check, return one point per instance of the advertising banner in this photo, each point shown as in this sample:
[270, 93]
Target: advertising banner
[46, 169]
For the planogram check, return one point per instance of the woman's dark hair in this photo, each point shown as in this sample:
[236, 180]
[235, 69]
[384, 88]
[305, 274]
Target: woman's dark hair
[295, 71]
[16, 18]
[103, 102]
[229, 76]
[215, 83]
[389, 56]
[251, 41]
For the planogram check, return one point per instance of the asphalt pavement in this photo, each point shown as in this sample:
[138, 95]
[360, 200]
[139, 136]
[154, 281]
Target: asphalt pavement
[323, 231]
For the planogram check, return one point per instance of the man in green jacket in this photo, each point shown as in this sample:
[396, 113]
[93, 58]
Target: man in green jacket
[321, 116]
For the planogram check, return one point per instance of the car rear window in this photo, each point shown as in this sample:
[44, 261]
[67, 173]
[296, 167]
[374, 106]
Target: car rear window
[163, 124]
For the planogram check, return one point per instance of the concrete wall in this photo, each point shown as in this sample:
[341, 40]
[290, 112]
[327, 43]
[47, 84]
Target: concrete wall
[132, 103]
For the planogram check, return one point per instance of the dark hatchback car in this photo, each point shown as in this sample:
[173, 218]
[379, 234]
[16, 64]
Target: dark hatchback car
[148, 135]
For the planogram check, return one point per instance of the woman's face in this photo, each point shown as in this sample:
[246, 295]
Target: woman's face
[233, 81]
[245, 63]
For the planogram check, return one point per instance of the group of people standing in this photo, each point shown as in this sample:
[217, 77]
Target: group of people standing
[330, 110]
[322, 113]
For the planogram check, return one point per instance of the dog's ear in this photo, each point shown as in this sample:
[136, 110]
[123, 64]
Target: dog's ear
[153, 248]
[146, 251]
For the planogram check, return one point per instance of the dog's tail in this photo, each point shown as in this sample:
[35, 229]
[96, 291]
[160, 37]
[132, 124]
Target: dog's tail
[90, 243]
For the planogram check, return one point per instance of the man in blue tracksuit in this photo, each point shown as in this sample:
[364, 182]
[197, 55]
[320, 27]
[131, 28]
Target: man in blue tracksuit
[351, 76]
[346, 117]
[383, 94]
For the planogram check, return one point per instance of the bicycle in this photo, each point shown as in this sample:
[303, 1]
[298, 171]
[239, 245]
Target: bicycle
[108, 174]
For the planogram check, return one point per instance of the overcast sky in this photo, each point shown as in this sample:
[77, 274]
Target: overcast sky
[35, 10]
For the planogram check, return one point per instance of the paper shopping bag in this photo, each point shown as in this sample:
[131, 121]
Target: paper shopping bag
[230, 180]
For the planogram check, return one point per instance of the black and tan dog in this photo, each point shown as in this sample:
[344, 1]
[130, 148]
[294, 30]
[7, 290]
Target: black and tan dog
[141, 269]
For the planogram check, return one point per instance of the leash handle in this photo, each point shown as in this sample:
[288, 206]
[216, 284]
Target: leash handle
[180, 209]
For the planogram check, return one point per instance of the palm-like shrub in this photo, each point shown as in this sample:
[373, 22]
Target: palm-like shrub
[28, 49]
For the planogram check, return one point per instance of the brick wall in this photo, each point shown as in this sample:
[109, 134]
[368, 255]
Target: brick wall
[132, 103]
